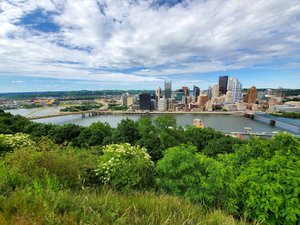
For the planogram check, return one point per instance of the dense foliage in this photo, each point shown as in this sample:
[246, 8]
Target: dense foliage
[56, 173]
[125, 167]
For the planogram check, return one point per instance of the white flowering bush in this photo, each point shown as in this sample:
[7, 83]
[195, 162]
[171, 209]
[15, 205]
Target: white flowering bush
[124, 167]
[11, 141]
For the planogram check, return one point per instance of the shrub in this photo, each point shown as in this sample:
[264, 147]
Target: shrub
[196, 177]
[269, 184]
[11, 141]
[69, 165]
[124, 167]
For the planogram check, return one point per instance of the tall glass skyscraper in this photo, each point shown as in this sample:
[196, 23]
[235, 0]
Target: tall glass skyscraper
[223, 80]
[235, 86]
[168, 89]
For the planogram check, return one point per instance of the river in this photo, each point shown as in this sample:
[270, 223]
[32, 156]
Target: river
[224, 123]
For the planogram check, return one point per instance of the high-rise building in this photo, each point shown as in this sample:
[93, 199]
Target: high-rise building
[202, 100]
[124, 99]
[223, 80]
[168, 89]
[158, 93]
[130, 100]
[196, 92]
[186, 91]
[251, 95]
[228, 97]
[235, 86]
[162, 105]
[209, 92]
[215, 91]
[145, 101]
[178, 95]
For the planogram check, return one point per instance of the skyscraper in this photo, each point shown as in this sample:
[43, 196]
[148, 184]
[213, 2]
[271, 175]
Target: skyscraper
[251, 95]
[223, 80]
[235, 86]
[158, 93]
[168, 89]
[196, 92]
[215, 91]
[145, 101]
[186, 91]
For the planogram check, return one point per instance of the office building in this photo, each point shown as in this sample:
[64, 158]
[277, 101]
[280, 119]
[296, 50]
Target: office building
[196, 92]
[215, 91]
[145, 101]
[251, 95]
[158, 93]
[223, 80]
[178, 95]
[209, 92]
[162, 105]
[186, 91]
[202, 100]
[235, 86]
[168, 89]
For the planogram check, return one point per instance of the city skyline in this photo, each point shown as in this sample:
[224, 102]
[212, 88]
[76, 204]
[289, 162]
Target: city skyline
[56, 46]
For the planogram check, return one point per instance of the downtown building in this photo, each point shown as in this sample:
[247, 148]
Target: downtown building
[235, 86]
[223, 81]
[168, 89]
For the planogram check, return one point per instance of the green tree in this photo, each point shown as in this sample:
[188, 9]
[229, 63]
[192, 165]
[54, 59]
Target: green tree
[196, 177]
[149, 138]
[221, 145]
[201, 137]
[126, 132]
[94, 135]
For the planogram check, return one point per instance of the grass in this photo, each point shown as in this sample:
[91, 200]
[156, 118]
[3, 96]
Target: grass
[39, 204]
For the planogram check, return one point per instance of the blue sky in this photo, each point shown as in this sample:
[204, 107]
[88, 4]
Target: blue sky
[52, 45]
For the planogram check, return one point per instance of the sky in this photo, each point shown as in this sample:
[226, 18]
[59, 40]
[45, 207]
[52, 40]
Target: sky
[53, 45]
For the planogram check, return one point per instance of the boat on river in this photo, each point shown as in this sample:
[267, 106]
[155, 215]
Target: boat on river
[198, 123]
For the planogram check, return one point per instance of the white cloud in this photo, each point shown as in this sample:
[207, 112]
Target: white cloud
[222, 35]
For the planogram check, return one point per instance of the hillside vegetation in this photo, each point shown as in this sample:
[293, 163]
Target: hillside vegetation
[144, 172]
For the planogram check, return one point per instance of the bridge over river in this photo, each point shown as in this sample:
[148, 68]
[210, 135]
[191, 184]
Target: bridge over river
[108, 112]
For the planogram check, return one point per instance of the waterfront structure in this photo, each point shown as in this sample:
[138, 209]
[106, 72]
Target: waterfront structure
[251, 95]
[235, 86]
[223, 80]
[209, 106]
[241, 106]
[145, 101]
[162, 105]
[230, 107]
[168, 89]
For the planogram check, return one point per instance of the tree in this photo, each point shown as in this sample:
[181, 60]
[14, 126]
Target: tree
[149, 138]
[126, 132]
[221, 146]
[94, 135]
[201, 137]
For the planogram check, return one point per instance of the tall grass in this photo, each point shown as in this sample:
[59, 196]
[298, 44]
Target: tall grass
[47, 204]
